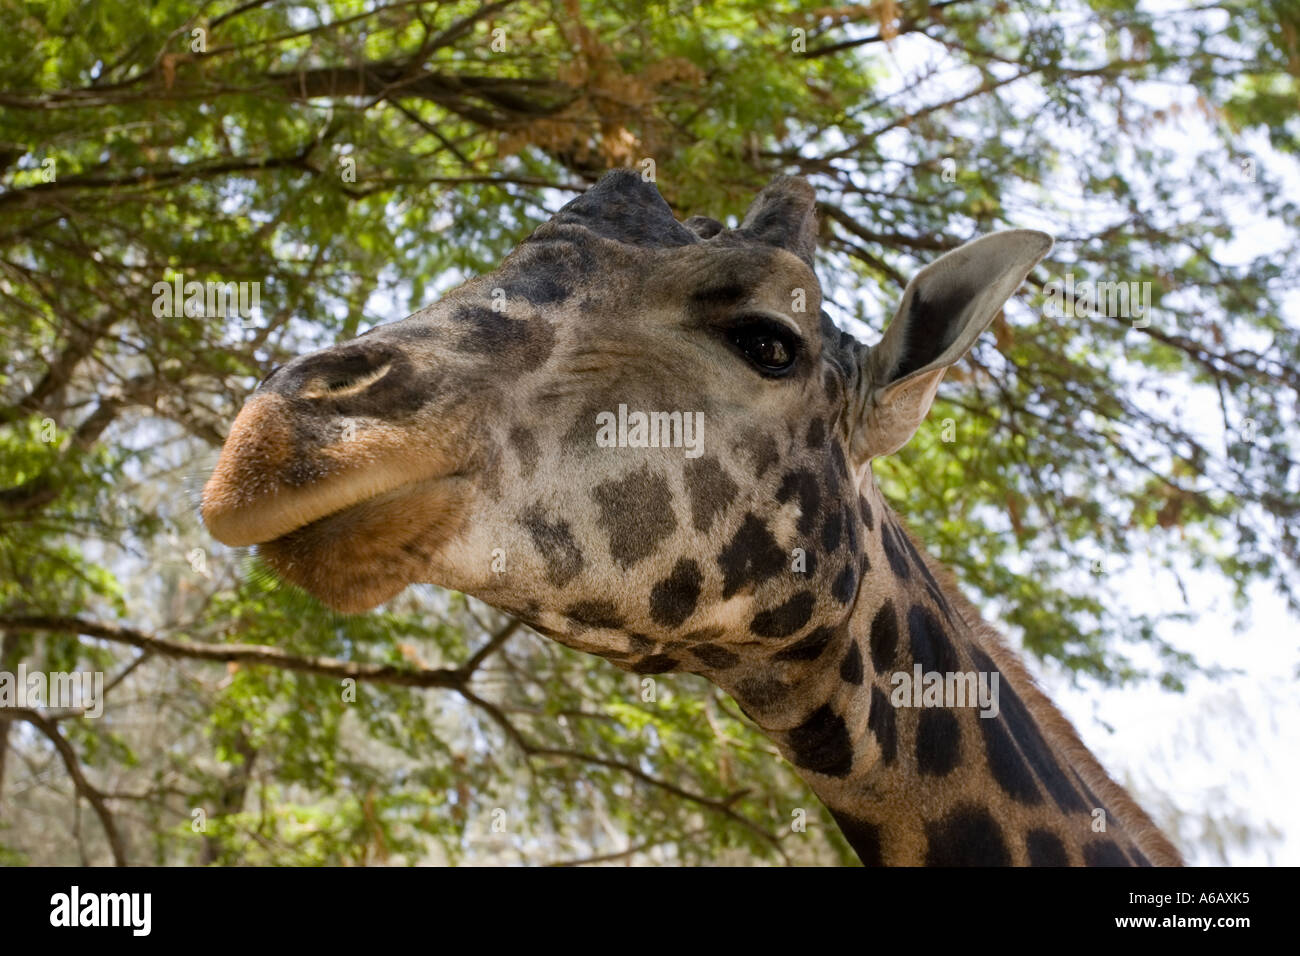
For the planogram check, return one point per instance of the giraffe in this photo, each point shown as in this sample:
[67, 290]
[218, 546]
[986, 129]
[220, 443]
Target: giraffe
[462, 446]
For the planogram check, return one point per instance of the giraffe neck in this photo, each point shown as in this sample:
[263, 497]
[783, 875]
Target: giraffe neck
[939, 784]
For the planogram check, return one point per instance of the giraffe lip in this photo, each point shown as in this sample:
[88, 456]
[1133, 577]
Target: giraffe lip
[248, 520]
[331, 522]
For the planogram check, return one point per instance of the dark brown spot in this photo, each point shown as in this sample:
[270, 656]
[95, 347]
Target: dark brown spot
[831, 386]
[639, 643]
[1023, 729]
[882, 721]
[710, 489]
[673, 599]
[864, 837]
[636, 511]
[488, 331]
[554, 541]
[851, 666]
[802, 484]
[750, 557]
[763, 454]
[761, 693]
[1045, 849]
[525, 446]
[842, 587]
[832, 529]
[821, 743]
[655, 664]
[595, 614]
[969, 836]
[938, 743]
[807, 648]
[884, 638]
[785, 619]
[1104, 853]
[715, 656]
[894, 550]
[929, 642]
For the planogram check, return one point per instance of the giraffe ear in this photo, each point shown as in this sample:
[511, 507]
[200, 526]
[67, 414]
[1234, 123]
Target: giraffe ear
[944, 309]
[784, 215]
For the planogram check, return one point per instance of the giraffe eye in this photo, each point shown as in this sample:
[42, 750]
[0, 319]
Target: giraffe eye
[769, 345]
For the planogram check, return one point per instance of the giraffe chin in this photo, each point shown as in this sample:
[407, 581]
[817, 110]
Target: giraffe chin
[358, 558]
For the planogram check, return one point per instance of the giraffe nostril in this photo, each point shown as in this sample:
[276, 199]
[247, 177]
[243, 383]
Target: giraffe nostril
[374, 377]
[342, 384]
[339, 373]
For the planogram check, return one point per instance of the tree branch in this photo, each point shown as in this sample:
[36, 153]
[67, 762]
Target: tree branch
[96, 799]
[243, 653]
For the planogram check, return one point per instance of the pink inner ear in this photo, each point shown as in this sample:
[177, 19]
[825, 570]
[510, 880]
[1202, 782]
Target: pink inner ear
[893, 415]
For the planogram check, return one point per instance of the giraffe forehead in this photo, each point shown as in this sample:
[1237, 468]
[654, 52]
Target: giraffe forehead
[579, 277]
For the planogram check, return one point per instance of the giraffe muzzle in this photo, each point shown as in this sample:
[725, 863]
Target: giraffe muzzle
[336, 451]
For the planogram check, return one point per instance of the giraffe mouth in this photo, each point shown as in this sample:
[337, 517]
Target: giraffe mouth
[351, 520]
[250, 519]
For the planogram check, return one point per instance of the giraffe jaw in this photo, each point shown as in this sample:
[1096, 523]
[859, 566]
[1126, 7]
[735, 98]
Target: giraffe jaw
[365, 554]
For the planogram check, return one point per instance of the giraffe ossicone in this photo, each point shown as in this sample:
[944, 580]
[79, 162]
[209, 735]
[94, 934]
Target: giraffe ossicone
[459, 447]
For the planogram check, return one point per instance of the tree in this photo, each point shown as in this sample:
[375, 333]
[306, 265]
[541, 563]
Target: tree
[356, 159]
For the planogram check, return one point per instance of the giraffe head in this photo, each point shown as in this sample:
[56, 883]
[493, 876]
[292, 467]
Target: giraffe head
[642, 436]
